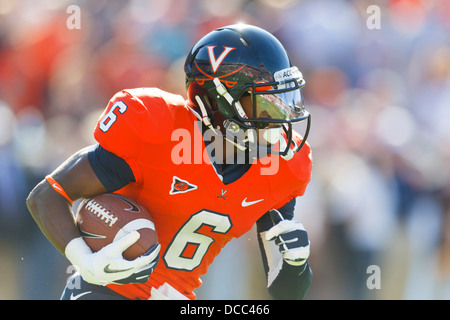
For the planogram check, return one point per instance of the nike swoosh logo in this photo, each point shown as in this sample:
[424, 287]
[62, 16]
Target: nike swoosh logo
[108, 270]
[132, 208]
[78, 296]
[246, 203]
[55, 186]
[86, 234]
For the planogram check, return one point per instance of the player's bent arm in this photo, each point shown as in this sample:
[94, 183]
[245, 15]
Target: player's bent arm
[51, 211]
[53, 214]
[284, 248]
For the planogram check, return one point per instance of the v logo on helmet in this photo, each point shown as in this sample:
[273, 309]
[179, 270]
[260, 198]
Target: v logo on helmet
[215, 63]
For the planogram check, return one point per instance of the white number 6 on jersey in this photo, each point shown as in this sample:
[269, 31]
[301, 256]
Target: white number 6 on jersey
[111, 117]
[188, 234]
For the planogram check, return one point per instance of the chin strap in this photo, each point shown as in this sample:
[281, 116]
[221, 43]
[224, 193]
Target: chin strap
[204, 117]
[207, 122]
[224, 93]
[221, 90]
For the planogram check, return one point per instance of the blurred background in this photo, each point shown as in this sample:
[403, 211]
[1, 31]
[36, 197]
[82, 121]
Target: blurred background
[379, 95]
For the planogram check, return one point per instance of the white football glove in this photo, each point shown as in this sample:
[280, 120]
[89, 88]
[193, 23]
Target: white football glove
[107, 265]
[291, 237]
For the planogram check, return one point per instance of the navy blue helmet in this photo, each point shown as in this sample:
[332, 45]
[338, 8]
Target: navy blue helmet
[239, 61]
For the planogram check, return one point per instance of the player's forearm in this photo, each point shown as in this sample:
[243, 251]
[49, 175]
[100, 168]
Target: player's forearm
[53, 215]
[50, 209]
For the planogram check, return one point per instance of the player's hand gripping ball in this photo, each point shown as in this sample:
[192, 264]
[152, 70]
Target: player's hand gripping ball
[108, 217]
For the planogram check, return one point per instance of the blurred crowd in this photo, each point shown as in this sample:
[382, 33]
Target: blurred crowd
[380, 104]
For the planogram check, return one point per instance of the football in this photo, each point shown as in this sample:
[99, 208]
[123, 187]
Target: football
[108, 217]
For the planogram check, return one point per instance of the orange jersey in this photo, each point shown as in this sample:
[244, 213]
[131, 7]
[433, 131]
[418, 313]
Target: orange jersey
[195, 213]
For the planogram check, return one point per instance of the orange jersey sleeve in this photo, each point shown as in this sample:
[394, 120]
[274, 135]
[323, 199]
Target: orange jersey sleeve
[132, 118]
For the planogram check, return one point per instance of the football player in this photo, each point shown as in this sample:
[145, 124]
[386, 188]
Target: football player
[208, 168]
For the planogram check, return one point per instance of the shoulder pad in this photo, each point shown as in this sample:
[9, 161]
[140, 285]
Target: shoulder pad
[303, 157]
[300, 165]
[136, 116]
